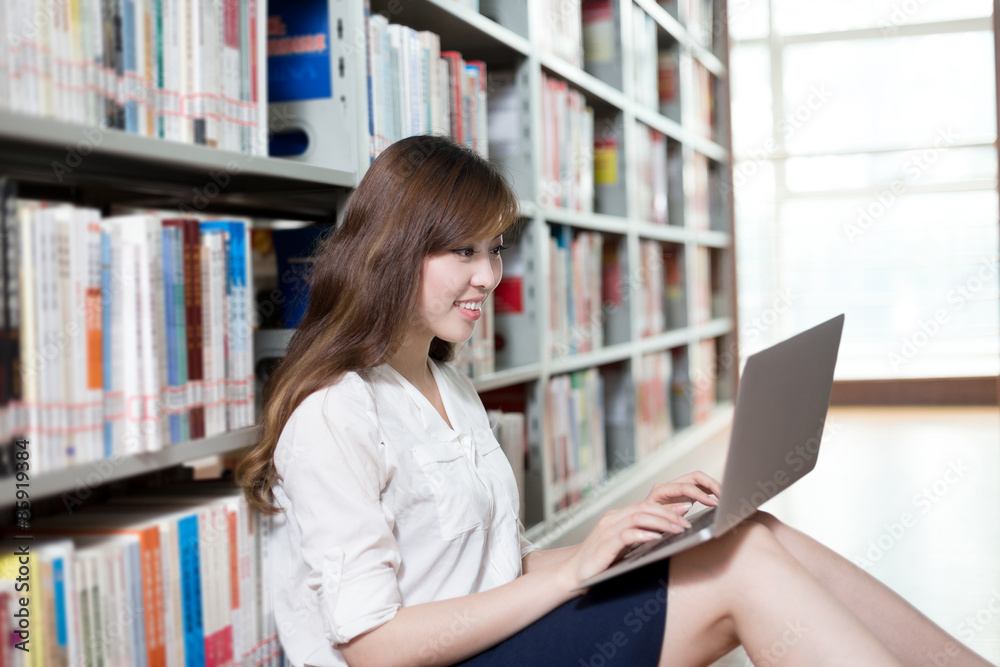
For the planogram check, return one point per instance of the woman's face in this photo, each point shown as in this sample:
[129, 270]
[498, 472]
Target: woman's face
[454, 285]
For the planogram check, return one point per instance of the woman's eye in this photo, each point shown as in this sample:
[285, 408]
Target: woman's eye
[498, 249]
[464, 252]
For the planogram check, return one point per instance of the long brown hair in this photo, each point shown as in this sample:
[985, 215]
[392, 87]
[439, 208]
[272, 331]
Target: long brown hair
[421, 196]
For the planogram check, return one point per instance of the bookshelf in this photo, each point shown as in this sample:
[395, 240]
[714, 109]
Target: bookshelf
[140, 171]
[692, 319]
[511, 36]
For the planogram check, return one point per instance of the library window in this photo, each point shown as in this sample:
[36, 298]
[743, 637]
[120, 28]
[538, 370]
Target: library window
[865, 179]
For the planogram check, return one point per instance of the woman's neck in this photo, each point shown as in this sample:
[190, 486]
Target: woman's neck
[410, 361]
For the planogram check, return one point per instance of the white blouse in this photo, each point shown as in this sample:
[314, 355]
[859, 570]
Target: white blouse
[386, 506]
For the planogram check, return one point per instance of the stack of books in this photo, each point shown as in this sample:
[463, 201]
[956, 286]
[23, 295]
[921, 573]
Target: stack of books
[575, 435]
[415, 88]
[576, 315]
[651, 161]
[176, 70]
[653, 405]
[133, 332]
[156, 580]
[568, 148]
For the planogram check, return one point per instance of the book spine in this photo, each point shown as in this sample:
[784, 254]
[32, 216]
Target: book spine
[456, 75]
[193, 330]
[194, 640]
[172, 393]
[180, 333]
[151, 600]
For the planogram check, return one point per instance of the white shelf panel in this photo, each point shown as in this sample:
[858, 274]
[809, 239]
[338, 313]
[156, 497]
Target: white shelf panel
[664, 341]
[507, 378]
[708, 148]
[683, 37]
[583, 361]
[460, 28]
[660, 123]
[642, 475]
[716, 327]
[594, 221]
[670, 233]
[712, 238]
[595, 89]
[135, 170]
[675, 130]
[78, 480]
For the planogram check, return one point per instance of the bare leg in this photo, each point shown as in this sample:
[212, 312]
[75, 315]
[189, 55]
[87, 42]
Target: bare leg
[911, 636]
[745, 588]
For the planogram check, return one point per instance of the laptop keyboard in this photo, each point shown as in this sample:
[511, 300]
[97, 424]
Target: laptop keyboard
[705, 519]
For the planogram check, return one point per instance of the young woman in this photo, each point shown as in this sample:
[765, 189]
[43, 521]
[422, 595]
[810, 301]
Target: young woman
[396, 539]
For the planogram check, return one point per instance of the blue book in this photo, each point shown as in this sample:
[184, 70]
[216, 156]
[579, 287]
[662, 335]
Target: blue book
[194, 631]
[59, 600]
[106, 338]
[168, 303]
[293, 251]
[133, 568]
[128, 49]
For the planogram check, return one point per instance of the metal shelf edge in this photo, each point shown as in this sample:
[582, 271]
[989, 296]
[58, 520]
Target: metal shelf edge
[96, 473]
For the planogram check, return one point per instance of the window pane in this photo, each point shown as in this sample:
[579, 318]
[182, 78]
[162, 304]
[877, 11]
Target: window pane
[893, 93]
[748, 19]
[750, 88]
[881, 170]
[797, 17]
[918, 280]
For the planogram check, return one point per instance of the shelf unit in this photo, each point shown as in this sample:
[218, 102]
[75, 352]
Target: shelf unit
[130, 170]
[513, 41]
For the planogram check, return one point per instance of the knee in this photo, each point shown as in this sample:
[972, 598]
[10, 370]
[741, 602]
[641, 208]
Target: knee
[747, 543]
[767, 520]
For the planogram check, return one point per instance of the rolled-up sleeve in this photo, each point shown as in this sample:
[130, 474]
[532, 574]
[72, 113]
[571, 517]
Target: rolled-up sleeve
[526, 545]
[333, 470]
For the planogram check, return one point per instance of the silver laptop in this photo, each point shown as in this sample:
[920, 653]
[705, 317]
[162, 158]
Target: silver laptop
[778, 423]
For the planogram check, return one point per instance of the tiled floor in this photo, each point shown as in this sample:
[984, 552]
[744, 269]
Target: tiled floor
[939, 465]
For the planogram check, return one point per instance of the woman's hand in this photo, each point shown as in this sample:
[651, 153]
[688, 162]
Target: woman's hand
[692, 487]
[661, 512]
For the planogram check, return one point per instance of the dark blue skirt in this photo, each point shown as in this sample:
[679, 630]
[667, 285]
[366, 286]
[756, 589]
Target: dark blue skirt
[618, 622]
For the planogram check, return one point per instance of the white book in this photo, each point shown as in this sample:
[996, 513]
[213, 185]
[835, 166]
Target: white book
[50, 349]
[5, 78]
[374, 46]
[230, 80]
[152, 328]
[186, 65]
[139, 85]
[170, 95]
[172, 594]
[72, 359]
[214, 327]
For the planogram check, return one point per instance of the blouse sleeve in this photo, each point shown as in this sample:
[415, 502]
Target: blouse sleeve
[330, 459]
[526, 546]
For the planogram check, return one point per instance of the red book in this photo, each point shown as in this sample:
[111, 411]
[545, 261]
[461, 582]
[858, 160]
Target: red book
[192, 308]
[456, 75]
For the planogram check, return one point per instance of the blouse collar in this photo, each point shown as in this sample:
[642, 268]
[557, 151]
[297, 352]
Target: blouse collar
[431, 420]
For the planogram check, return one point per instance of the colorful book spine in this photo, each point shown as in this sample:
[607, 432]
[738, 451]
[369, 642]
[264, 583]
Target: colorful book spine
[194, 640]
